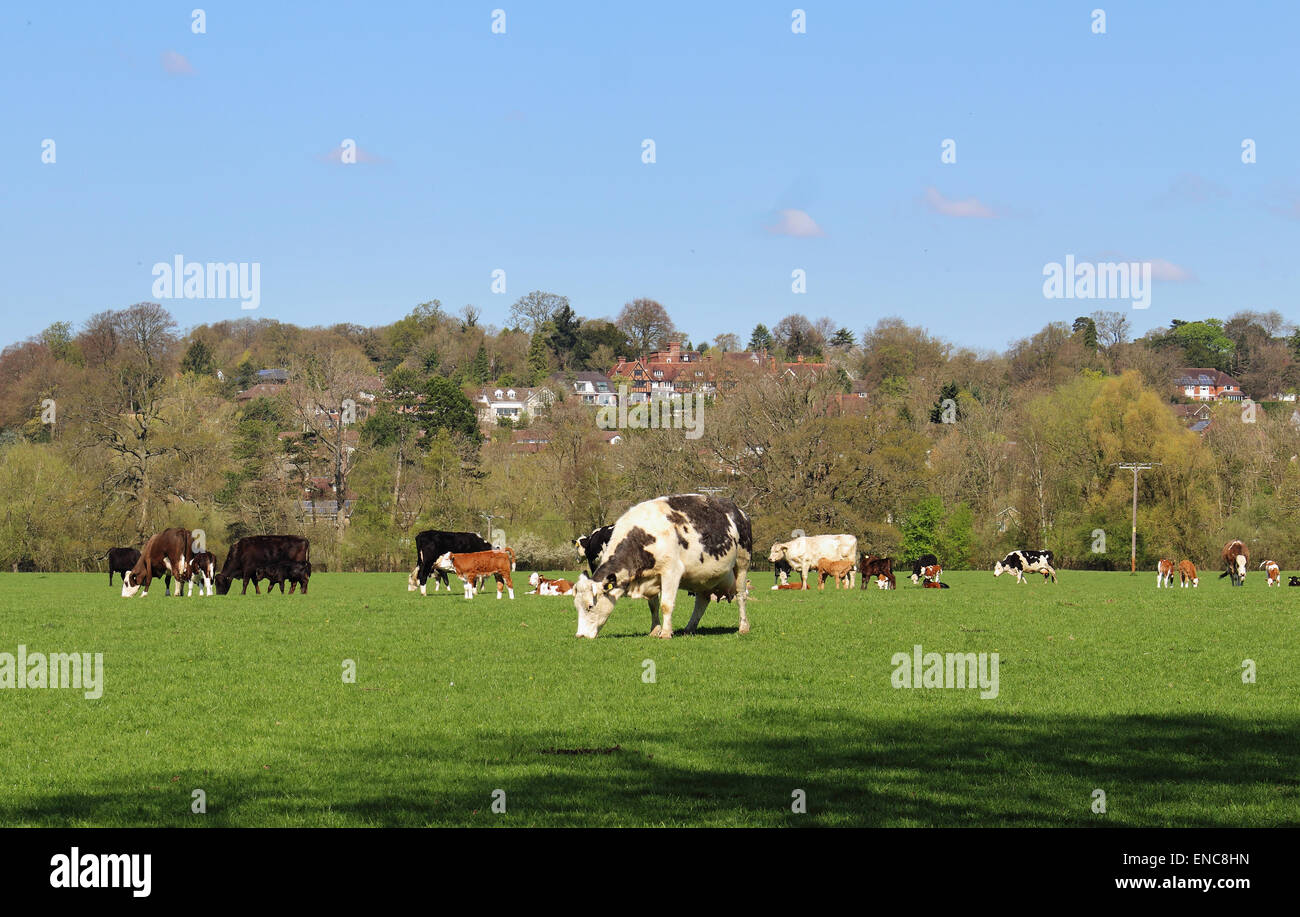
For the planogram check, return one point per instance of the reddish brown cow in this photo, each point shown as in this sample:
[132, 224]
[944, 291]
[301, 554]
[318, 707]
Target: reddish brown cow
[169, 550]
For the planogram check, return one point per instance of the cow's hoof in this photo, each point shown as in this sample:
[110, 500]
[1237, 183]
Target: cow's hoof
[665, 635]
[656, 631]
[744, 628]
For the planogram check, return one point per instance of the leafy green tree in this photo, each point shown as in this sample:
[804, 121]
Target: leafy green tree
[480, 370]
[843, 339]
[198, 359]
[447, 408]
[760, 338]
[922, 527]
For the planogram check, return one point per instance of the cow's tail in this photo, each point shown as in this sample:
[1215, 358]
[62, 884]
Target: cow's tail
[510, 551]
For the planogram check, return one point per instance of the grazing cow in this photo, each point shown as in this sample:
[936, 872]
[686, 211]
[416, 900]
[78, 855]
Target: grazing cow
[886, 581]
[203, 567]
[543, 586]
[1293, 581]
[873, 567]
[476, 565]
[590, 545]
[925, 560]
[930, 573]
[121, 560]
[804, 552]
[1236, 556]
[935, 584]
[1273, 571]
[1187, 574]
[840, 569]
[261, 552]
[702, 544]
[1165, 574]
[1018, 563]
[431, 545]
[167, 552]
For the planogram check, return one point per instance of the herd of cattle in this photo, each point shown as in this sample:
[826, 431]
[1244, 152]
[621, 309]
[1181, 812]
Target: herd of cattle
[687, 541]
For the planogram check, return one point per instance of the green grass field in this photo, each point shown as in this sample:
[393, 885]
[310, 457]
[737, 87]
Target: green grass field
[1104, 683]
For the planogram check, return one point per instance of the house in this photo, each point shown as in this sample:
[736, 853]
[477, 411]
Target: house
[1208, 385]
[1197, 417]
[512, 404]
[591, 387]
[536, 439]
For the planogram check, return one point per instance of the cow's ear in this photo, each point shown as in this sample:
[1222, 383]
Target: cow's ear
[610, 582]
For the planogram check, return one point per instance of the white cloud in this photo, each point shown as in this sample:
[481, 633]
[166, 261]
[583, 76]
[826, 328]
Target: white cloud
[796, 223]
[971, 207]
[176, 64]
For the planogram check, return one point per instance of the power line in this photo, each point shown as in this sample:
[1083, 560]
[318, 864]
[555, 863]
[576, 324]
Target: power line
[1135, 467]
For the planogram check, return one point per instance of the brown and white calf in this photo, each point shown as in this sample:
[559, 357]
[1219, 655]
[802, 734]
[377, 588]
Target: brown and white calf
[1273, 571]
[873, 567]
[1187, 574]
[543, 586]
[469, 567]
[169, 550]
[930, 574]
[804, 552]
[840, 569]
[886, 580]
[1165, 574]
[685, 541]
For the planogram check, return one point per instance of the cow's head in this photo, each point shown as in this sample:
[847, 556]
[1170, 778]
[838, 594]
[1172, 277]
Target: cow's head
[129, 586]
[444, 563]
[779, 551]
[1241, 567]
[223, 583]
[594, 600]
[535, 580]
[998, 570]
[580, 546]
[413, 581]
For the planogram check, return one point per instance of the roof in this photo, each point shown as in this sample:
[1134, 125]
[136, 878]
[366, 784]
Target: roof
[1194, 375]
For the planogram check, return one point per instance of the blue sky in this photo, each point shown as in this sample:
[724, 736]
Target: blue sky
[522, 152]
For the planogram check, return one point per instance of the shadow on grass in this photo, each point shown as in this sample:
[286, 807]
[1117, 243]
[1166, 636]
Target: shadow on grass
[962, 769]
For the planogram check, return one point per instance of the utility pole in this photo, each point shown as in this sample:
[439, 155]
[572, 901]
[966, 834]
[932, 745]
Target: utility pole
[1135, 467]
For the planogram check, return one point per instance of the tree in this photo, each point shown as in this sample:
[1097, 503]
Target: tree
[797, 337]
[198, 359]
[479, 370]
[539, 355]
[760, 338]
[646, 324]
[727, 343]
[533, 310]
[447, 408]
[843, 339]
[1087, 329]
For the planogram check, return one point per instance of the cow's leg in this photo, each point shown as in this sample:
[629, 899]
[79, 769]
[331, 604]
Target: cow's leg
[742, 586]
[669, 581]
[803, 575]
[655, 627]
[510, 587]
[701, 603]
[500, 583]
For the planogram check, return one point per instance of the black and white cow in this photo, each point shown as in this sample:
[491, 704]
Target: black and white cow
[689, 541]
[925, 560]
[590, 545]
[204, 569]
[1018, 563]
[432, 544]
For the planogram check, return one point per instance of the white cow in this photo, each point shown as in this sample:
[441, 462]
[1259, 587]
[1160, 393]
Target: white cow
[803, 552]
[688, 541]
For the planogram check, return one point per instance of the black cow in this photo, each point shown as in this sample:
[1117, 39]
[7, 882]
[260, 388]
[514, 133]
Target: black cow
[925, 560]
[121, 560]
[591, 544]
[432, 544]
[293, 572]
[258, 552]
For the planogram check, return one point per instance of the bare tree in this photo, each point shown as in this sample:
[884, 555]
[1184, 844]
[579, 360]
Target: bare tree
[646, 324]
[325, 383]
[533, 310]
[1112, 328]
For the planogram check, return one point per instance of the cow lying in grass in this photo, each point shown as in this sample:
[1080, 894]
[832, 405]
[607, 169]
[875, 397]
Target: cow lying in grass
[469, 567]
[930, 574]
[543, 586]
